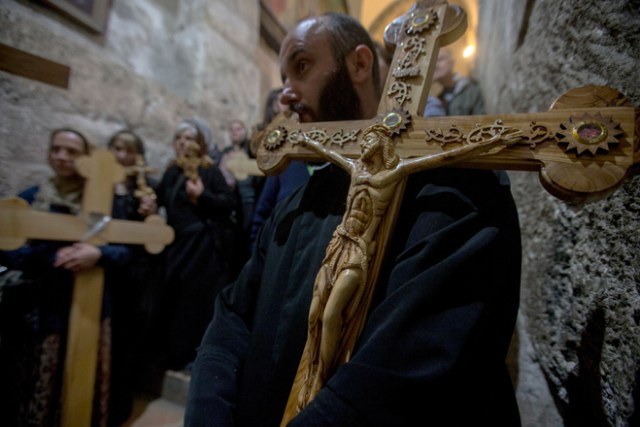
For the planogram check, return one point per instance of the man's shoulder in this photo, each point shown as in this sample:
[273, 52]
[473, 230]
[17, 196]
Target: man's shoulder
[472, 186]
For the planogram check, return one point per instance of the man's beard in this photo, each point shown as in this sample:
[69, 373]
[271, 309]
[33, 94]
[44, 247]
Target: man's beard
[338, 99]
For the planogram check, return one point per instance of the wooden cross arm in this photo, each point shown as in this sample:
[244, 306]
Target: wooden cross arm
[18, 222]
[241, 166]
[153, 232]
[582, 154]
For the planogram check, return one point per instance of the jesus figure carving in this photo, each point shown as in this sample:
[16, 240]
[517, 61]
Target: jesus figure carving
[340, 283]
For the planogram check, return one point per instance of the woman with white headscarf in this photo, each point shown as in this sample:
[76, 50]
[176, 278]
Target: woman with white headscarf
[200, 207]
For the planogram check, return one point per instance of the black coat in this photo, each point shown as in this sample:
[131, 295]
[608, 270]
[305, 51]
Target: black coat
[197, 264]
[433, 347]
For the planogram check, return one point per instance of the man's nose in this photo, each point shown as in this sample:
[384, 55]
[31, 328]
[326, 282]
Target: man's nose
[288, 95]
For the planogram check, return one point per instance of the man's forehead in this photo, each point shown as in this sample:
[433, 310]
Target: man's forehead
[301, 38]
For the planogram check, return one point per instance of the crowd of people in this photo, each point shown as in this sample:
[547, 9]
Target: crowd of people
[156, 307]
[228, 300]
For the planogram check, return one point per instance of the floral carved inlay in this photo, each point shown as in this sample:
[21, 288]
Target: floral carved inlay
[339, 138]
[536, 134]
[414, 47]
[401, 90]
[409, 62]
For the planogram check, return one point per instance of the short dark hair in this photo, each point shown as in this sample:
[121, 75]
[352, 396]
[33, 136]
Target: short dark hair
[345, 34]
[85, 142]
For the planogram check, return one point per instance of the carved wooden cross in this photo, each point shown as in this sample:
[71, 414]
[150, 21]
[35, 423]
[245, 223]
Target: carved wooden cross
[94, 225]
[192, 159]
[583, 148]
[140, 170]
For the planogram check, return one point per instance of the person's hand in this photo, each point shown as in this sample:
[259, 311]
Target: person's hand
[148, 205]
[77, 257]
[194, 189]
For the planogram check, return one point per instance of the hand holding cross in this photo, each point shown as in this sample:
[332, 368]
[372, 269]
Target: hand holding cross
[18, 223]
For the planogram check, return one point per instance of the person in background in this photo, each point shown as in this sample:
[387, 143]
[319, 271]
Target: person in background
[130, 320]
[40, 330]
[138, 198]
[249, 188]
[202, 210]
[460, 95]
[432, 348]
[276, 187]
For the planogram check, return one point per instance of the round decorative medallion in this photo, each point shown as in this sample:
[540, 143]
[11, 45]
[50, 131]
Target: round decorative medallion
[395, 121]
[421, 22]
[275, 138]
[589, 133]
[392, 120]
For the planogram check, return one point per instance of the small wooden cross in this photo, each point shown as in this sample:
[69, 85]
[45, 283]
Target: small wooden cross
[140, 170]
[241, 165]
[583, 149]
[94, 225]
[192, 159]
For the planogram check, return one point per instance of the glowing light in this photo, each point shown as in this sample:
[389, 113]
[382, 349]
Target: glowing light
[468, 51]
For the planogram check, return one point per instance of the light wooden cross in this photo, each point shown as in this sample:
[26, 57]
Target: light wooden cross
[94, 225]
[192, 159]
[242, 166]
[140, 170]
[583, 149]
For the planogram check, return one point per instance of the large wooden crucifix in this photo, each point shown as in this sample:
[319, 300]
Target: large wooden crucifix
[94, 225]
[583, 149]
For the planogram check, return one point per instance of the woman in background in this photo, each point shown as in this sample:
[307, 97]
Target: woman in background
[131, 306]
[34, 327]
[202, 211]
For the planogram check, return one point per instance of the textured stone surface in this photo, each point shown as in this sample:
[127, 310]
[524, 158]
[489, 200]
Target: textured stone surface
[156, 63]
[581, 275]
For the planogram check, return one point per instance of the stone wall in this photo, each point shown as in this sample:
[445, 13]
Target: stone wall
[157, 62]
[577, 346]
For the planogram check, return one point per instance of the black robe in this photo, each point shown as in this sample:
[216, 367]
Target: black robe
[197, 264]
[433, 347]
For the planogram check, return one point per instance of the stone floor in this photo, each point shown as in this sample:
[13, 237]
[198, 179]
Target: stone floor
[165, 409]
[155, 412]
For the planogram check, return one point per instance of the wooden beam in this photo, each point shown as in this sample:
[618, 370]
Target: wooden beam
[271, 30]
[21, 63]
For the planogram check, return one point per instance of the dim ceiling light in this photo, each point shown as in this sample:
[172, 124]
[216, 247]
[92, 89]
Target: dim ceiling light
[468, 51]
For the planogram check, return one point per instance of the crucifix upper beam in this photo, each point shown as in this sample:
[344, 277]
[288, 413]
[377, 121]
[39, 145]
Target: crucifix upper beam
[584, 147]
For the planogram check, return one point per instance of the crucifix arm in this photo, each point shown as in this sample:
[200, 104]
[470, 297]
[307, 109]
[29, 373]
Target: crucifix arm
[454, 155]
[331, 155]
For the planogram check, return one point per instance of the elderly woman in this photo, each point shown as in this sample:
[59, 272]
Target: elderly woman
[201, 210]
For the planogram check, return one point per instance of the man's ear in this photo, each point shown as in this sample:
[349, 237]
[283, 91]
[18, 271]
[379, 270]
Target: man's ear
[360, 63]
